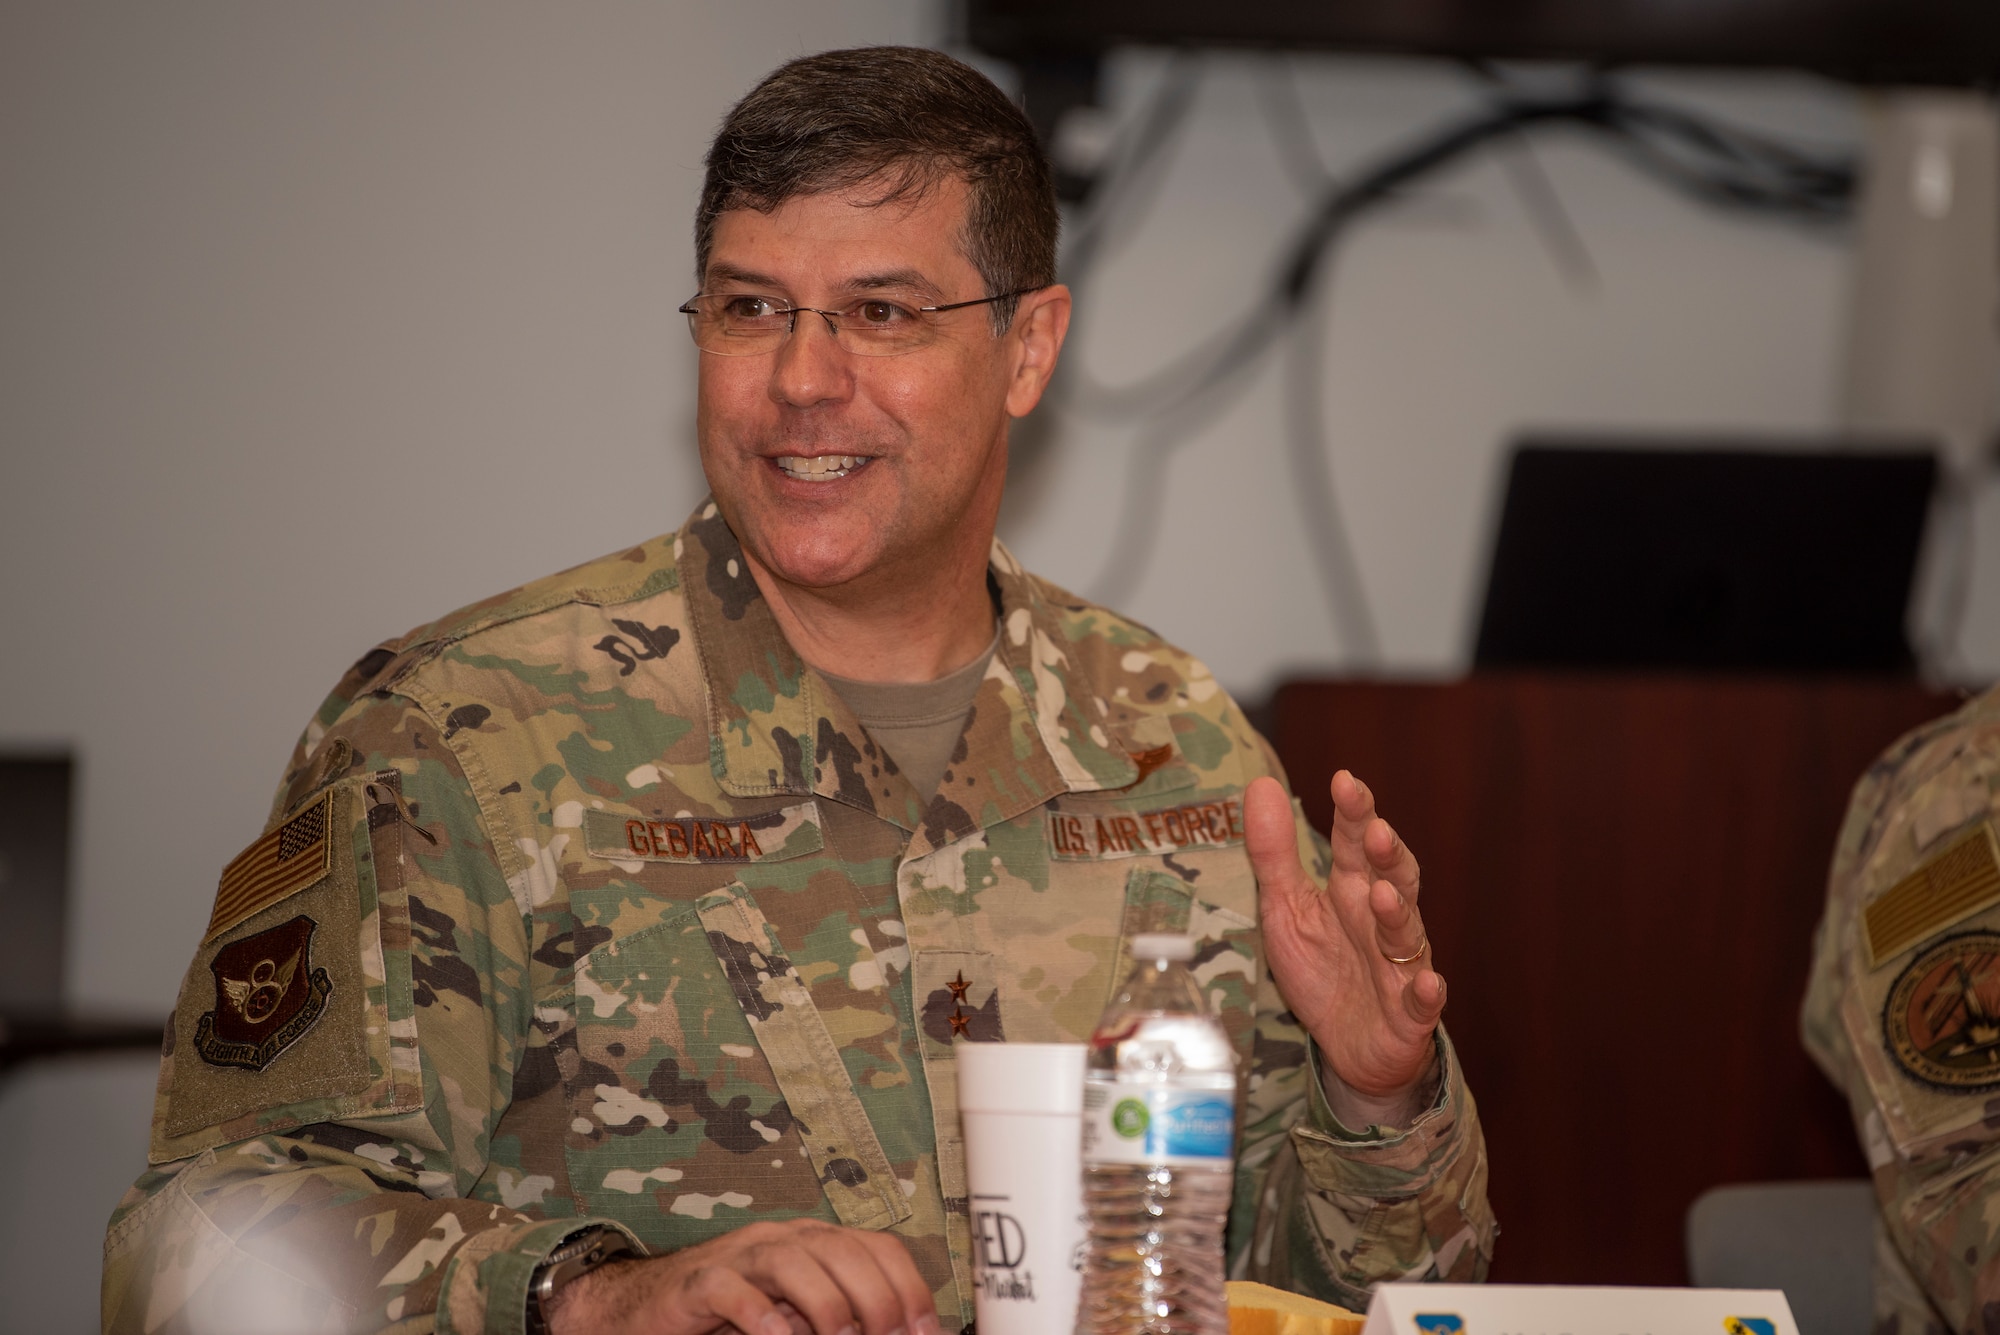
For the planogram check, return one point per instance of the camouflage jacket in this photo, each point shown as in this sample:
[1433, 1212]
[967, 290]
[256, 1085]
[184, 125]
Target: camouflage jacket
[1903, 1014]
[593, 903]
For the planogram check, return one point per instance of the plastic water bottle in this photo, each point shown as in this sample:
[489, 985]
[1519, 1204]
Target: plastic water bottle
[1159, 1122]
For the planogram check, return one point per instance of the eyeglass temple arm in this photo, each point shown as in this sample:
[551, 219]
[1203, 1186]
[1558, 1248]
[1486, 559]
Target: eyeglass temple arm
[982, 301]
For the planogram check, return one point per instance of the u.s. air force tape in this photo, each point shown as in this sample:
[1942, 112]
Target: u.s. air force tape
[1080, 835]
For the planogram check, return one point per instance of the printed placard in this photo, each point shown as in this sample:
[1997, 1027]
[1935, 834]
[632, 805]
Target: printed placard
[1510, 1309]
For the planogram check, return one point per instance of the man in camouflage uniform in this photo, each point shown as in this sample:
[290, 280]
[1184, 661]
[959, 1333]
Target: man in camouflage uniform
[597, 906]
[1903, 1013]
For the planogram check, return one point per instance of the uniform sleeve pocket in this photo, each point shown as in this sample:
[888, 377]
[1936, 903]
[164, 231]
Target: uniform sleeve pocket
[292, 1011]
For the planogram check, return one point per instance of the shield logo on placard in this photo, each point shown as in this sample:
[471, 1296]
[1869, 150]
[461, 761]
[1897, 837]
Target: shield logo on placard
[1439, 1323]
[1749, 1325]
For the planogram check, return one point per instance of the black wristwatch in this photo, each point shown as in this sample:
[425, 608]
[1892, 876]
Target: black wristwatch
[577, 1256]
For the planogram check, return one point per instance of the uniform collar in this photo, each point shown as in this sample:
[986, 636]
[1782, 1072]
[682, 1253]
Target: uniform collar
[777, 727]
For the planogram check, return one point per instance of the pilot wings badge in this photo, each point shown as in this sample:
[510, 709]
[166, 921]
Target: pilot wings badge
[256, 998]
[267, 994]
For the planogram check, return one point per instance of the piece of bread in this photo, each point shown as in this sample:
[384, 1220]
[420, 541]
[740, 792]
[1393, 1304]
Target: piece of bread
[1259, 1309]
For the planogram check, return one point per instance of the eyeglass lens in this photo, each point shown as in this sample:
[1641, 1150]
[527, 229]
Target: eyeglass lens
[733, 325]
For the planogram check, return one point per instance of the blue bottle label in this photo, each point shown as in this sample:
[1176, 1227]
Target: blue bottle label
[1146, 1124]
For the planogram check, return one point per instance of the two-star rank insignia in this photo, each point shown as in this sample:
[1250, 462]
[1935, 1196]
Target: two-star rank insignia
[961, 1023]
[267, 994]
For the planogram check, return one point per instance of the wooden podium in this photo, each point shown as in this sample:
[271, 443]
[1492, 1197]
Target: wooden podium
[1621, 879]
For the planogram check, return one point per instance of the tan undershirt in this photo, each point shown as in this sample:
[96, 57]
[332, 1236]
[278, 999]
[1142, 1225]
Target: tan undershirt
[917, 723]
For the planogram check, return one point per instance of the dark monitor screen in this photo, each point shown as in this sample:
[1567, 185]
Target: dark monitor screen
[1706, 558]
[34, 880]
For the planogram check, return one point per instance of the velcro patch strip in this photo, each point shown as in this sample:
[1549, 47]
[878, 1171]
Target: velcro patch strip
[789, 832]
[1083, 836]
[296, 854]
[1961, 879]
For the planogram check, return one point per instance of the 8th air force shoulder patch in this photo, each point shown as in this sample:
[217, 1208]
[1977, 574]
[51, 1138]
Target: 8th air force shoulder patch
[288, 1014]
[267, 994]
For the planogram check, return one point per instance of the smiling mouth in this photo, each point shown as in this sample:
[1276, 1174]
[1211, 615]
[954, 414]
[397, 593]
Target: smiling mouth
[819, 468]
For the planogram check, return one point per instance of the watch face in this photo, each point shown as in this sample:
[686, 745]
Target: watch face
[573, 1257]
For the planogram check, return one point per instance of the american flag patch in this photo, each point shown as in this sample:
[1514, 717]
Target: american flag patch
[283, 862]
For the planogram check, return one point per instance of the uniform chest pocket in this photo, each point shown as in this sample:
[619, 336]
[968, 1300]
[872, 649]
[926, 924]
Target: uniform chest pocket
[708, 1090]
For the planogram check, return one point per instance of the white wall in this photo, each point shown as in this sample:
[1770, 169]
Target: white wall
[320, 320]
[317, 321]
[72, 1138]
[1453, 329]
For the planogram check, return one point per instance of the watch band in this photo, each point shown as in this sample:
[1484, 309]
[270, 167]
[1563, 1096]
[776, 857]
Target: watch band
[575, 1257]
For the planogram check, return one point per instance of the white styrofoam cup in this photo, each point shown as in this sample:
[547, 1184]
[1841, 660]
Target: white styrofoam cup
[1021, 1105]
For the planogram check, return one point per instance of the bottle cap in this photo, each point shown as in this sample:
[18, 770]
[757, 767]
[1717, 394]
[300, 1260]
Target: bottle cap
[1162, 946]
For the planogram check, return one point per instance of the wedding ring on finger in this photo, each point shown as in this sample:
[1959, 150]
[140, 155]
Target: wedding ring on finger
[1422, 947]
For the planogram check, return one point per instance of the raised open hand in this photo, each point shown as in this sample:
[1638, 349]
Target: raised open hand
[1352, 960]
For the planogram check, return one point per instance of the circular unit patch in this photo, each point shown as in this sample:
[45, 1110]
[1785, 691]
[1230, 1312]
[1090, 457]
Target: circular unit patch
[1942, 1018]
